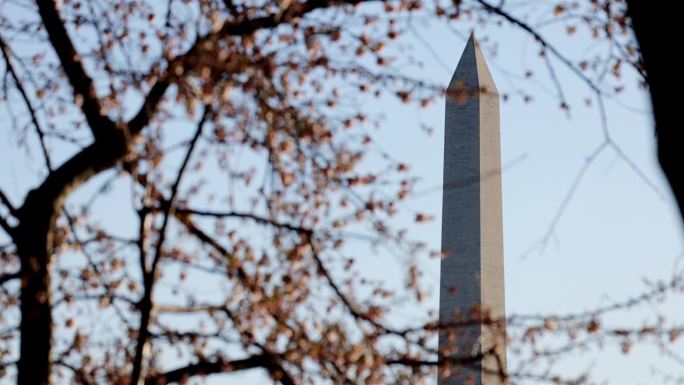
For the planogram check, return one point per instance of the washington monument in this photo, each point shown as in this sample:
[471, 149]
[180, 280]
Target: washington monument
[472, 272]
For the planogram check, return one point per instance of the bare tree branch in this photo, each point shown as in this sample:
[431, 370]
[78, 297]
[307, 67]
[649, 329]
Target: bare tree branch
[589, 160]
[6, 277]
[238, 27]
[39, 131]
[82, 84]
[351, 307]
[498, 10]
[5, 201]
[149, 275]
[243, 215]
[205, 368]
[9, 229]
[80, 377]
[6, 226]
[265, 360]
[193, 229]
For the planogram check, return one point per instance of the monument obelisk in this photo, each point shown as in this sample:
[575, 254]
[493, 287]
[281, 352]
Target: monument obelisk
[472, 271]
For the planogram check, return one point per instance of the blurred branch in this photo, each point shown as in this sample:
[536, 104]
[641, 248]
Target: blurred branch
[242, 215]
[205, 367]
[70, 59]
[267, 360]
[108, 296]
[169, 209]
[461, 361]
[355, 312]
[42, 205]
[230, 6]
[214, 244]
[242, 26]
[10, 230]
[7, 203]
[498, 10]
[149, 275]
[39, 131]
[674, 285]
[473, 361]
[608, 140]
[6, 226]
[80, 376]
[541, 244]
[109, 290]
[8, 277]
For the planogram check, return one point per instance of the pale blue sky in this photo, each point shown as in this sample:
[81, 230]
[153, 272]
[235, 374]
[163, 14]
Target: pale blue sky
[616, 230]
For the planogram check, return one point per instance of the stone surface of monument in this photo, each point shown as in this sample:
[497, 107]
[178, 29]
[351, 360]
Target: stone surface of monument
[472, 271]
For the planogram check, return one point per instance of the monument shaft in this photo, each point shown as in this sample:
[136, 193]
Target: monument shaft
[472, 274]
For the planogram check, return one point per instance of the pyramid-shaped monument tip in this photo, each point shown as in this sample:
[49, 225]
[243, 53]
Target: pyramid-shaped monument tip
[472, 71]
[472, 37]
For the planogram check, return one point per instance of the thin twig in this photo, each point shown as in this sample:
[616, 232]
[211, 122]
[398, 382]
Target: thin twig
[149, 275]
[39, 131]
[498, 10]
[5, 201]
[567, 199]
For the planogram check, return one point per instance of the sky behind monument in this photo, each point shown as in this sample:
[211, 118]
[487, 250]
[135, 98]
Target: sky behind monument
[615, 230]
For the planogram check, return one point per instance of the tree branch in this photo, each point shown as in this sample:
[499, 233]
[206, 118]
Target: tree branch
[34, 236]
[236, 214]
[240, 26]
[205, 238]
[498, 10]
[41, 133]
[149, 275]
[80, 376]
[6, 226]
[8, 277]
[9, 229]
[204, 368]
[84, 89]
[356, 313]
[34, 239]
[7, 203]
[474, 361]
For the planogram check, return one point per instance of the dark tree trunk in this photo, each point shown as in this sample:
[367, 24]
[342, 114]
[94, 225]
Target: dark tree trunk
[34, 242]
[654, 24]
